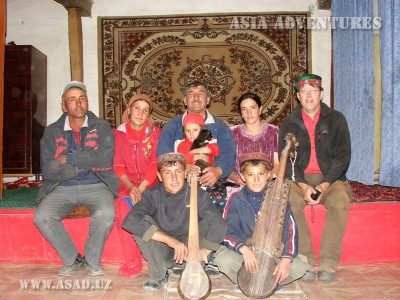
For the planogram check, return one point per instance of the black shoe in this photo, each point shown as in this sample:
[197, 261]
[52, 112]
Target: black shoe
[176, 272]
[71, 269]
[213, 271]
[279, 289]
[94, 270]
[154, 285]
[326, 273]
[310, 274]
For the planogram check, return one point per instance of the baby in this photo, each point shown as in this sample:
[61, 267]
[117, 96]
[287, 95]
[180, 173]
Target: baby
[192, 147]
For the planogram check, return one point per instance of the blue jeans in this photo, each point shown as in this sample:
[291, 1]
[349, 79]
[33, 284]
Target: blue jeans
[97, 198]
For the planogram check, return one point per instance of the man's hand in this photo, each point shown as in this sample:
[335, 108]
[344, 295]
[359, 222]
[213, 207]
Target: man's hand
[181, 251]
[250, 259]
[62, 158]
[282, 270]
[211, 176]
[204, 253]
[190, 168]
[322, 187]
[308, 190]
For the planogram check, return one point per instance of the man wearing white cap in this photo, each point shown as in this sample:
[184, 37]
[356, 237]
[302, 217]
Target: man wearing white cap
[77, 167]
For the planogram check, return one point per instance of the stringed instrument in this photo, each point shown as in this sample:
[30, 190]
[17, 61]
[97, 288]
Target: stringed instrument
[194, 282]
[266, 238]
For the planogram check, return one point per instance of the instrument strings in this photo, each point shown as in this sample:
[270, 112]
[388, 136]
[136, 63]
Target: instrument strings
[266, 238]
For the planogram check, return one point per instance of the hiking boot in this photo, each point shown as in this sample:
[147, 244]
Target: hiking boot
[71, 269]
[212, 271]
[326, 273]
[310, 274]
[93, 270]
[154, 285]
[176, 272]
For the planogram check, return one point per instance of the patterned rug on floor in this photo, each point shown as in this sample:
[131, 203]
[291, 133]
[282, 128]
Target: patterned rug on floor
[223, 288]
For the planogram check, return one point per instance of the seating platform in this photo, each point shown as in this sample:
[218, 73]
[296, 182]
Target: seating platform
[372, 235]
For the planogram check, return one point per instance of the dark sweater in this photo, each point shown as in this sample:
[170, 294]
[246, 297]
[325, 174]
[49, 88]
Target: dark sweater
[170, 213]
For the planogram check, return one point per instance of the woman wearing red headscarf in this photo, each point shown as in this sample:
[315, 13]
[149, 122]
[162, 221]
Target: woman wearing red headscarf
[135, 163]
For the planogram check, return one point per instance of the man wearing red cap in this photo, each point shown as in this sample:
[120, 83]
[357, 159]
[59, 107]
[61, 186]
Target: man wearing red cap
[319, 172]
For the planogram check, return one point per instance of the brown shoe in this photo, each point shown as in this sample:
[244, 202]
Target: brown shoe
[326, 273]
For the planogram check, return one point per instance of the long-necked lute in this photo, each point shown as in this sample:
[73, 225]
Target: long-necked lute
[266, 238]
[194, 282]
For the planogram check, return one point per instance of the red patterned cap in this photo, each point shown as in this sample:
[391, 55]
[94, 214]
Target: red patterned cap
[308, 79]
[253, 156]
[172, 156]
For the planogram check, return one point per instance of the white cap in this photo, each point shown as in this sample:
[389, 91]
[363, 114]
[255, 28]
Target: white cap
[72, 84]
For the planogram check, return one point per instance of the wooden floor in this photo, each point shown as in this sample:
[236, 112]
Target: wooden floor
[375, 281]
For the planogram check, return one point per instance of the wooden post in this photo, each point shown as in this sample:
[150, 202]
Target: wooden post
[3, 25]
[75, 43]
[76, 10]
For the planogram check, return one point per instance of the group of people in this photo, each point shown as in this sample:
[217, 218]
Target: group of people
[135, 176]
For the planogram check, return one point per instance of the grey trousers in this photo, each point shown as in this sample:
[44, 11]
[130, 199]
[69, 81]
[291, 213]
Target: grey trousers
[97, 198]
[229, 262]
[336, 200]
[160, 256]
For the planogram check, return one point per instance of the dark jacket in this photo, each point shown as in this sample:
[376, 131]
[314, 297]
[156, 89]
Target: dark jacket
[171, 214]
[97, 154]
[241, 219]
[332, 144]
[172, 131]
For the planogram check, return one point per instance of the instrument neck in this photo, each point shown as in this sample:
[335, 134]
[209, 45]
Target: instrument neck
[193, 238]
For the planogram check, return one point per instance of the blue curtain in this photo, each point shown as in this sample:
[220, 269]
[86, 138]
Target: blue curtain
[353, 59]
[389, 11]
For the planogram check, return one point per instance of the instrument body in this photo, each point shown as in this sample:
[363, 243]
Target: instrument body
[266, 237]
[194, 282]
